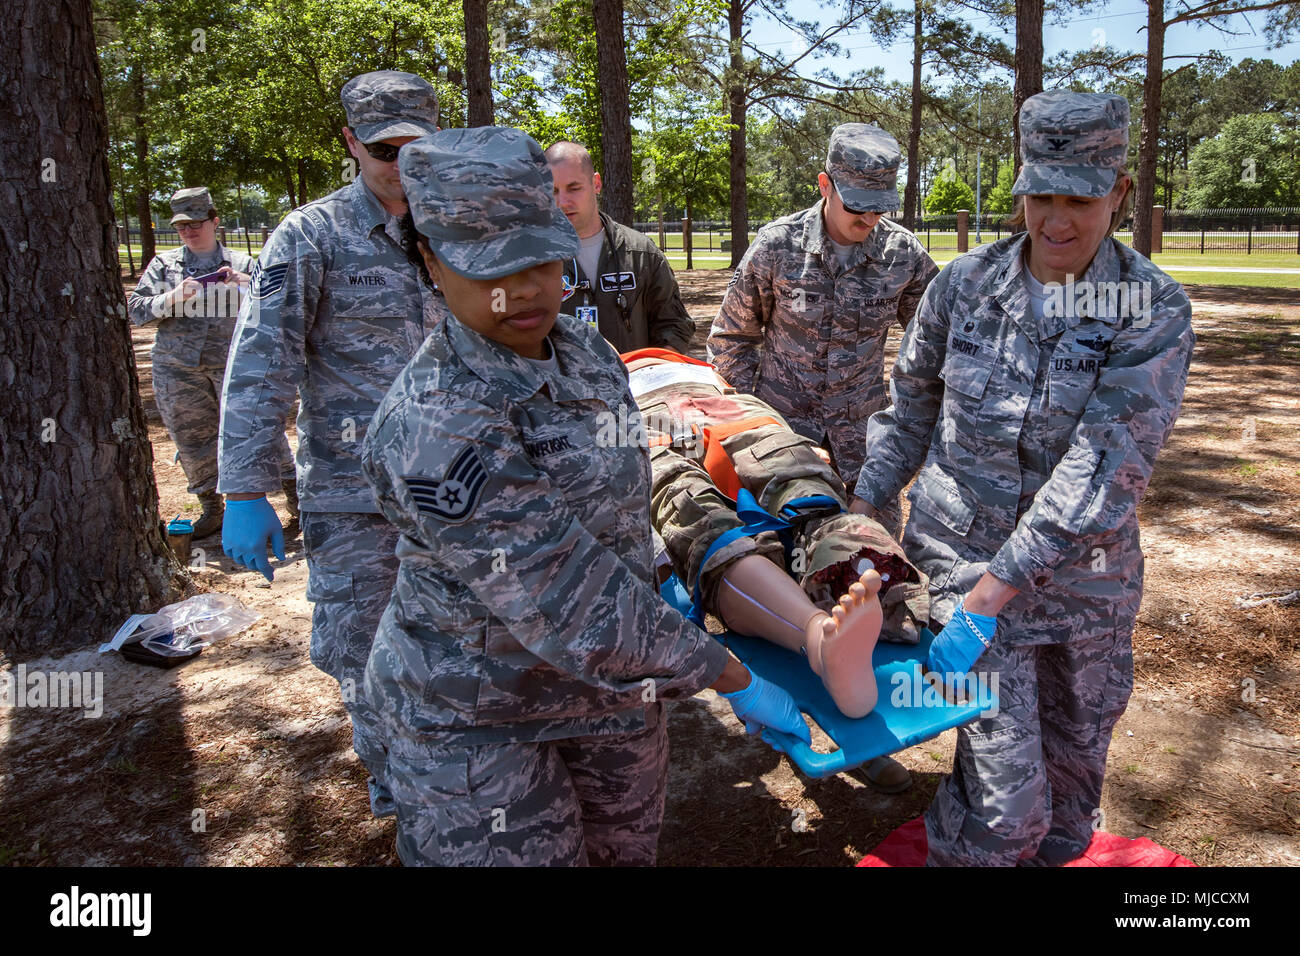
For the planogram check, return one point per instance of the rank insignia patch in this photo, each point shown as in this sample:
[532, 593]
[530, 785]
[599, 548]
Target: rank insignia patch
[454, 498]
[267, 282]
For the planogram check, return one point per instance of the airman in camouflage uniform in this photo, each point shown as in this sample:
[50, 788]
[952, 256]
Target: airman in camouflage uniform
[1035, 429]
[804, 320]
[189, 353]
[336, 309]
[523, 660]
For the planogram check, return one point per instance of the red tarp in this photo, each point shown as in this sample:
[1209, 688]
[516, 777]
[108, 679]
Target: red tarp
[906, 847]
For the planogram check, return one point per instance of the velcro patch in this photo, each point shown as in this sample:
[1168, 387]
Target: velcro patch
[267, 282]
[454, 498]
[617, 281]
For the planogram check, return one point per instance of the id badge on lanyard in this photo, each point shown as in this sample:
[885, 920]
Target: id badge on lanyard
[588, 314]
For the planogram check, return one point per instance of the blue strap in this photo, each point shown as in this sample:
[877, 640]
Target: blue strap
[755, 520]
[754, 517]
[796, 506]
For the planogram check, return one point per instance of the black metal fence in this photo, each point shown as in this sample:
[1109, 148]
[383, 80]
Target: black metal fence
[1247, 231]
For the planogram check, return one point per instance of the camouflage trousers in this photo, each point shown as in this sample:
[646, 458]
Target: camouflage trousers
[1026, 783]
[351, 569]
[596, 800]
[189, 401]
[776, 465]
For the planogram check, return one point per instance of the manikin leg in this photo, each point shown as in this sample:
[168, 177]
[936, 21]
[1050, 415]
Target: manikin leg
[756, 597]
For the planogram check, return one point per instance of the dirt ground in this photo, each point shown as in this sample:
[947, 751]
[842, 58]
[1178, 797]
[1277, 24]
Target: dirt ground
[243, 756]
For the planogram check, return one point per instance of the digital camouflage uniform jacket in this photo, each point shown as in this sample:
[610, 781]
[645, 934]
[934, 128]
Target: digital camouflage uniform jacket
[525, 607]
[655, 315]
[189, 340]
[809, 338]
[334, 311]
[1034, 445]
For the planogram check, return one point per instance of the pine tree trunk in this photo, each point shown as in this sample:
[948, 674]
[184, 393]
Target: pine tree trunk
[143, 211]
[615, 114]
[1029, 65]
[738, 156]
[80, 538]
[1145, 188]
[912, 192]
[478, 63]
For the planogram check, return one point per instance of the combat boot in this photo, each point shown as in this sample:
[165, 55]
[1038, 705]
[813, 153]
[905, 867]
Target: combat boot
[290, 486]
[214, 509]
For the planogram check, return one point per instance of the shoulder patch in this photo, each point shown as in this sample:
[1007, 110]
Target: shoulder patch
[267, 282]
[454, 497]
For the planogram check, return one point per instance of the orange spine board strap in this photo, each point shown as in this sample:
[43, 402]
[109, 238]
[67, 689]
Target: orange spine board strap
[716, 460]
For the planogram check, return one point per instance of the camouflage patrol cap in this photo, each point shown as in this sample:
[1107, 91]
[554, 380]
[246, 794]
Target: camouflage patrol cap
[191, 205]
[389, 103]
[484, 198]
[862, 160]
[1072, 144]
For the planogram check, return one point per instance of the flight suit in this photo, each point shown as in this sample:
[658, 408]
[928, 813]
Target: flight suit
[334, 312]
[1034, 446]
[633, 267]
[521, 664]
[808, 337]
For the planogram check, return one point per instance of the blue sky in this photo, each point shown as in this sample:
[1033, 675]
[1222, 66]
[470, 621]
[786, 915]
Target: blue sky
[1122, 24]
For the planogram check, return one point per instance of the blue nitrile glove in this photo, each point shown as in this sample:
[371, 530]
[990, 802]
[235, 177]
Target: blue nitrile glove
[763, 704]
[962, 642]
[246, 530]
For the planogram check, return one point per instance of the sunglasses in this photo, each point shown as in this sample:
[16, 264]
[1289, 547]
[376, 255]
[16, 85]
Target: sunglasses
[384, 152]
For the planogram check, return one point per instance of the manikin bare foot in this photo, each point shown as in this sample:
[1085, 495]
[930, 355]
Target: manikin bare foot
[840, 645]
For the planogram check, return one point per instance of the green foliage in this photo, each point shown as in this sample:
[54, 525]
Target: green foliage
[686, 158]
[1254, 161]
[1000, 201]
[948, 194]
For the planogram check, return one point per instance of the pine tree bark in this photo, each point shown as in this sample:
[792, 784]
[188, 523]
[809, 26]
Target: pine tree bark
[80, 539]
[615, 113]
[478, 63]
[912, 192]
[1144, 196]
[739, 160]
[1029, 65]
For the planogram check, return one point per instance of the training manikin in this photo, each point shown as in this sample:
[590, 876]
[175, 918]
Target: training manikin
[707, 442]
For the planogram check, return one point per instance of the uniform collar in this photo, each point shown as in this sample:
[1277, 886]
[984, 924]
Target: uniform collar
[817, 239]
[1006, 286]
[503, 370]
[188, 258]
[366, 206]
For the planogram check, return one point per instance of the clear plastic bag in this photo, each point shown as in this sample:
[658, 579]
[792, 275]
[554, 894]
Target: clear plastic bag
[185, 626]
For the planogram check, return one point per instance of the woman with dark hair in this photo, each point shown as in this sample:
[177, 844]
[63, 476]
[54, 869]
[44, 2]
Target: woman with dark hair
[524, 657]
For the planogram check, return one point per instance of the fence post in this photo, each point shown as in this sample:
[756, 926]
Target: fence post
[265, 232]
[1157, 229]
[927, 237]
[223, 235]
[963, 230]
[686, 242]
[1202, 235]
[1250, 231]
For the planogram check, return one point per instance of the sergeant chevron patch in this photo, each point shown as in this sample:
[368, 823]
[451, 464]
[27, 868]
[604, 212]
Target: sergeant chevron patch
[268, 281]
[454, 498]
